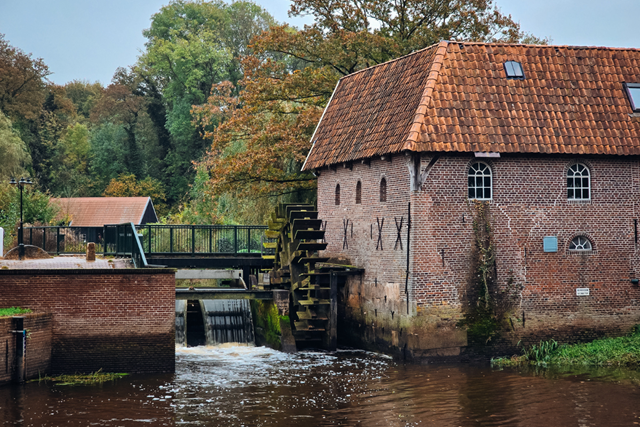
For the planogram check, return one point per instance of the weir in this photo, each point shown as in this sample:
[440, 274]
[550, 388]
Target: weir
[211, 322]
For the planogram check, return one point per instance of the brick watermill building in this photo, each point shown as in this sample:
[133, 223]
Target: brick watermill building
[528, 153]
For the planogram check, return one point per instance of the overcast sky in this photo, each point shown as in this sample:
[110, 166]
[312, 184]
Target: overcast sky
[89, 39]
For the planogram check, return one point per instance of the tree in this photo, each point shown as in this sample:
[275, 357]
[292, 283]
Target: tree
[126, 185]
[84, 95]
[120, 105]
[108, 155]
[22, 82]
[71, 160]
[266, 129]
[191, 46]
[13, 151]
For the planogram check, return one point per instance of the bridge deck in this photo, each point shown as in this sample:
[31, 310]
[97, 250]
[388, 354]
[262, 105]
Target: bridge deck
[221, 293]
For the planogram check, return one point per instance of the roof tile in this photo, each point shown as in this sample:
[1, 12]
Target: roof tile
[444, 98]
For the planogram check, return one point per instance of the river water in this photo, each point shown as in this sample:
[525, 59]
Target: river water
[234, 385]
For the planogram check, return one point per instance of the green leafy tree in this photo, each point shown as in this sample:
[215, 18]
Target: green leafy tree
[84, 95]
[13, 151]
[108, 155]
[191, 46]
[71, 161]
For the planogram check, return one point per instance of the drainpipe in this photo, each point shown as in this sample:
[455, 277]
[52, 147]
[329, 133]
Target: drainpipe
[19, 375]
[406, 280]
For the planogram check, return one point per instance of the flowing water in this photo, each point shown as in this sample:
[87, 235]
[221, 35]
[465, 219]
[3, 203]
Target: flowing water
[232, 385]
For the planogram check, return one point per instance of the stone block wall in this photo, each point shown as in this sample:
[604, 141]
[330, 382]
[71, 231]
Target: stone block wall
[117, 320]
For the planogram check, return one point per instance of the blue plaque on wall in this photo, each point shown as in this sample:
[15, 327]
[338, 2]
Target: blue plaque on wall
[550, 244]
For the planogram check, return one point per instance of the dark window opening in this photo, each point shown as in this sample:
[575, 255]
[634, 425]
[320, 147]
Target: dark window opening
[358, 193]
[337, 194]
[513, 70]
[633, 93]
[383, 190]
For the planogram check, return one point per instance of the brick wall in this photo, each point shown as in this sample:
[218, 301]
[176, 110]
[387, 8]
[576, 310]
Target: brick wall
[115, 320]
[384, 261]
[529, 203]
[38, 361]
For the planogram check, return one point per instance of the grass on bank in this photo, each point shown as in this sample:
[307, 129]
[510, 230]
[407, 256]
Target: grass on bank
[97, 377]
[12, 311]
[621, 351]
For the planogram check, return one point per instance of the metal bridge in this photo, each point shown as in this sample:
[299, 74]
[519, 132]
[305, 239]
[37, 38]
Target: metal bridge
[178, 246]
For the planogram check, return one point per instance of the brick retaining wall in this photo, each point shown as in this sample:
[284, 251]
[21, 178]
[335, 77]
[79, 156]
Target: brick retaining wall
[117, 320]
[39, 330]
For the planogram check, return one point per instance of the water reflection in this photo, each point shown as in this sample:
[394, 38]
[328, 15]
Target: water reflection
[234, 385]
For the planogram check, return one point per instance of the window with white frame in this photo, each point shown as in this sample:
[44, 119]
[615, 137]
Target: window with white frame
[480, 181]
[580, 243]
[578, 182]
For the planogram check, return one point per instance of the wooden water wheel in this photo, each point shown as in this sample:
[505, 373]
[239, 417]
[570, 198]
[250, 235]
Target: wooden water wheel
[313, 293]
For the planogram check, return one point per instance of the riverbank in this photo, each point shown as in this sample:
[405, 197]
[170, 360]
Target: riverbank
[621, 351]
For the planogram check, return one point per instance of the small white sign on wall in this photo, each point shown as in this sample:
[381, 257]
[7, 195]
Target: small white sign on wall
[582, 292]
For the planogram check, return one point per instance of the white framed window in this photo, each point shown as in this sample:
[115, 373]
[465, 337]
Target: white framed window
[578, 182]
[480, 181]
[580, 243]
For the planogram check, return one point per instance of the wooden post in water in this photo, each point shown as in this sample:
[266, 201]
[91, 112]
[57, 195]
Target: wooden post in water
[332, 332]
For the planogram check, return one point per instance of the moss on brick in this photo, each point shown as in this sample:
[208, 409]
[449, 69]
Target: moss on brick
[266, 319]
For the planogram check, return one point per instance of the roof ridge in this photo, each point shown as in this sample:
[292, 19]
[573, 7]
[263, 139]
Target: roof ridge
[394, 60]
[550, 46]
[413, 137]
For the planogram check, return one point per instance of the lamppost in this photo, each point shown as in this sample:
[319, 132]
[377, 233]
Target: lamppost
[20, 184]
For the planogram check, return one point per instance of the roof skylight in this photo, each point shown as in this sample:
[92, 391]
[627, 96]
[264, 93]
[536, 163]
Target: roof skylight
[633, 92]
[513, 70]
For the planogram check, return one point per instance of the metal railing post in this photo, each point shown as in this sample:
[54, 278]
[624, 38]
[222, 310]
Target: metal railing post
[171, 240]
[149, 231]
[57, 240]
[193, 240]
[235, 239]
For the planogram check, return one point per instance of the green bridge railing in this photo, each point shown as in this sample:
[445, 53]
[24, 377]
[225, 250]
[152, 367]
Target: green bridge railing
[166, 240]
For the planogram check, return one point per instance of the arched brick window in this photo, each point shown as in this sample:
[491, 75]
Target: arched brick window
[337, 194]
[383, 190]
[578, 182]
[480, 182]
[358, 193]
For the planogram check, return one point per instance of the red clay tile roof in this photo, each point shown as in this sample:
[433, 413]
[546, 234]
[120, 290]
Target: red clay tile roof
[456, 97]
[98, 211]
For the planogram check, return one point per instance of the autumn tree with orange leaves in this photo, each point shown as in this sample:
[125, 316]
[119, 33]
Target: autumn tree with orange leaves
[265, 134]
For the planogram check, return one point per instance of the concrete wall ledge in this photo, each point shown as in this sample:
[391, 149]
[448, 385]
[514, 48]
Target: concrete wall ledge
[85, 271]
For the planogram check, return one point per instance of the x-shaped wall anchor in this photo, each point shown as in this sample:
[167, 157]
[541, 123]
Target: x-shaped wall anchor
[380, 224]
[399, 229]
[345, 225]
